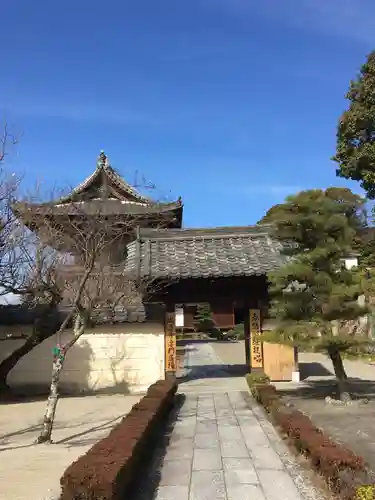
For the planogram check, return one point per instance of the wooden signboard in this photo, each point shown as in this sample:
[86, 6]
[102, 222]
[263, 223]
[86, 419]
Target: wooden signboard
[170, 344]
[256, 350]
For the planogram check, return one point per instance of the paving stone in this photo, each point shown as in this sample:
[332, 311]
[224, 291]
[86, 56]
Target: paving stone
[250, 419]
[186, 421]
[246, 412]
[278, 485]
[206, 405]
[224, 412]
[206, 441]
[205, 426]
[204, 397]
[188, 432]
[245, 492]
[234, 449]
[254, 436]
[179, 453]
[210, 406]
[228, 433]
[227, 421]
[207, 460]
[175, 473]
[209, 415]
[207, 485]
[239, 471]
[175, 440]
[266, 458]
[172, 493]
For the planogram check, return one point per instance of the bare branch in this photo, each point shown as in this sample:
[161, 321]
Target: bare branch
[6, 139]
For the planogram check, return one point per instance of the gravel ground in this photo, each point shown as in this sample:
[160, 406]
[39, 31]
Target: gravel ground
[32, 472]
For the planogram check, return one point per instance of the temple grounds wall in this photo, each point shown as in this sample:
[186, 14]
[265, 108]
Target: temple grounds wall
[128, 357]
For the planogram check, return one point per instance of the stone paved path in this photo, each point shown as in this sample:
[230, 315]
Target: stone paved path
[222, 446]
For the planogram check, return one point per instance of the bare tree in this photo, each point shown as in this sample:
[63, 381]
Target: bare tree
[47, 262]
[27, 267]
[7, 139]
[29, 272]
[94, 284]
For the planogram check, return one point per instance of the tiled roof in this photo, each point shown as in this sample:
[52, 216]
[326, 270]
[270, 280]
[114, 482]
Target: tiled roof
[196, 253]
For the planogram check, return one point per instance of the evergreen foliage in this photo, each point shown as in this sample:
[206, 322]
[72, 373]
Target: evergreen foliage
[355, 149]
[314, 296]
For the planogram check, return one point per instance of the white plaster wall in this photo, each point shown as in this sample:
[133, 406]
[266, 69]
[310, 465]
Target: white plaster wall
[126, 358]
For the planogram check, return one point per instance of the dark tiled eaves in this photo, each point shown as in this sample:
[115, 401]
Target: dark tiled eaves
[187, 255]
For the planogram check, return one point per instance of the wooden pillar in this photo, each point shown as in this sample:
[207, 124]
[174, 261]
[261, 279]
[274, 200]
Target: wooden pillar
[170, 345]
[256, 347]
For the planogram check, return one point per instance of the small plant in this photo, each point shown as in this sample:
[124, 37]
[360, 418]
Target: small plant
[253, 379]
[203, 320]
[238, 332]
[366, 492]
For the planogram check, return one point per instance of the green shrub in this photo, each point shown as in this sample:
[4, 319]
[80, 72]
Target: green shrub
[216, 333]
[345, 472]
[253, 379]
[240, 331]
[203, 320]
[205, 325]
[108, 468]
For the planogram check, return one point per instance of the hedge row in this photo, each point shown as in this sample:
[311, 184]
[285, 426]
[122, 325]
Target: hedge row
[345, 473]
[107, 470]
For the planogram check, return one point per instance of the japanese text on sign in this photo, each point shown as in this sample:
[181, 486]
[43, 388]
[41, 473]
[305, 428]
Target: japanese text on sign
[256, 343]
[170, 344]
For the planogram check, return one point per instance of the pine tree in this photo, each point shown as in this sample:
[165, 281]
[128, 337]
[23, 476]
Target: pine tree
[314, 297]
[355, 149]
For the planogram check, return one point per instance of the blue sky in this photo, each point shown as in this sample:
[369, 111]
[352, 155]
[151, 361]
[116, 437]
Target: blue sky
[231, 104]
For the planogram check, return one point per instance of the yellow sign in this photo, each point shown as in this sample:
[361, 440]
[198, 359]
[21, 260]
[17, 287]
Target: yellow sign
[255, 339]
[170, 343]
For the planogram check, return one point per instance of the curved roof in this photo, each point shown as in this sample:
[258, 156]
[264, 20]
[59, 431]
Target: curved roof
[104, 192]
[105, 183]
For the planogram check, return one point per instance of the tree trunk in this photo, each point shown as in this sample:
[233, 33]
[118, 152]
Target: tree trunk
[341, 376]
[49, 415]
[10, 362]
[58, 363]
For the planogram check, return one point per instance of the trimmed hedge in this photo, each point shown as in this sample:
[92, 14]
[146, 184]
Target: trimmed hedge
[345, 473]
[107, 470]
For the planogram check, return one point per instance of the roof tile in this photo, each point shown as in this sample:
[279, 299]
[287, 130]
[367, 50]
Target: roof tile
[206, 253]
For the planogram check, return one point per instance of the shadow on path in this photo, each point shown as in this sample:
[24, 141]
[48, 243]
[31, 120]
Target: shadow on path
[319, 389]
[202, 362]
[313, 369]
[196, 372]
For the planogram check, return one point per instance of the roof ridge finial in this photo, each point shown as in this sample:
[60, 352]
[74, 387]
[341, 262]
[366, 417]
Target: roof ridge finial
[102, 160]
